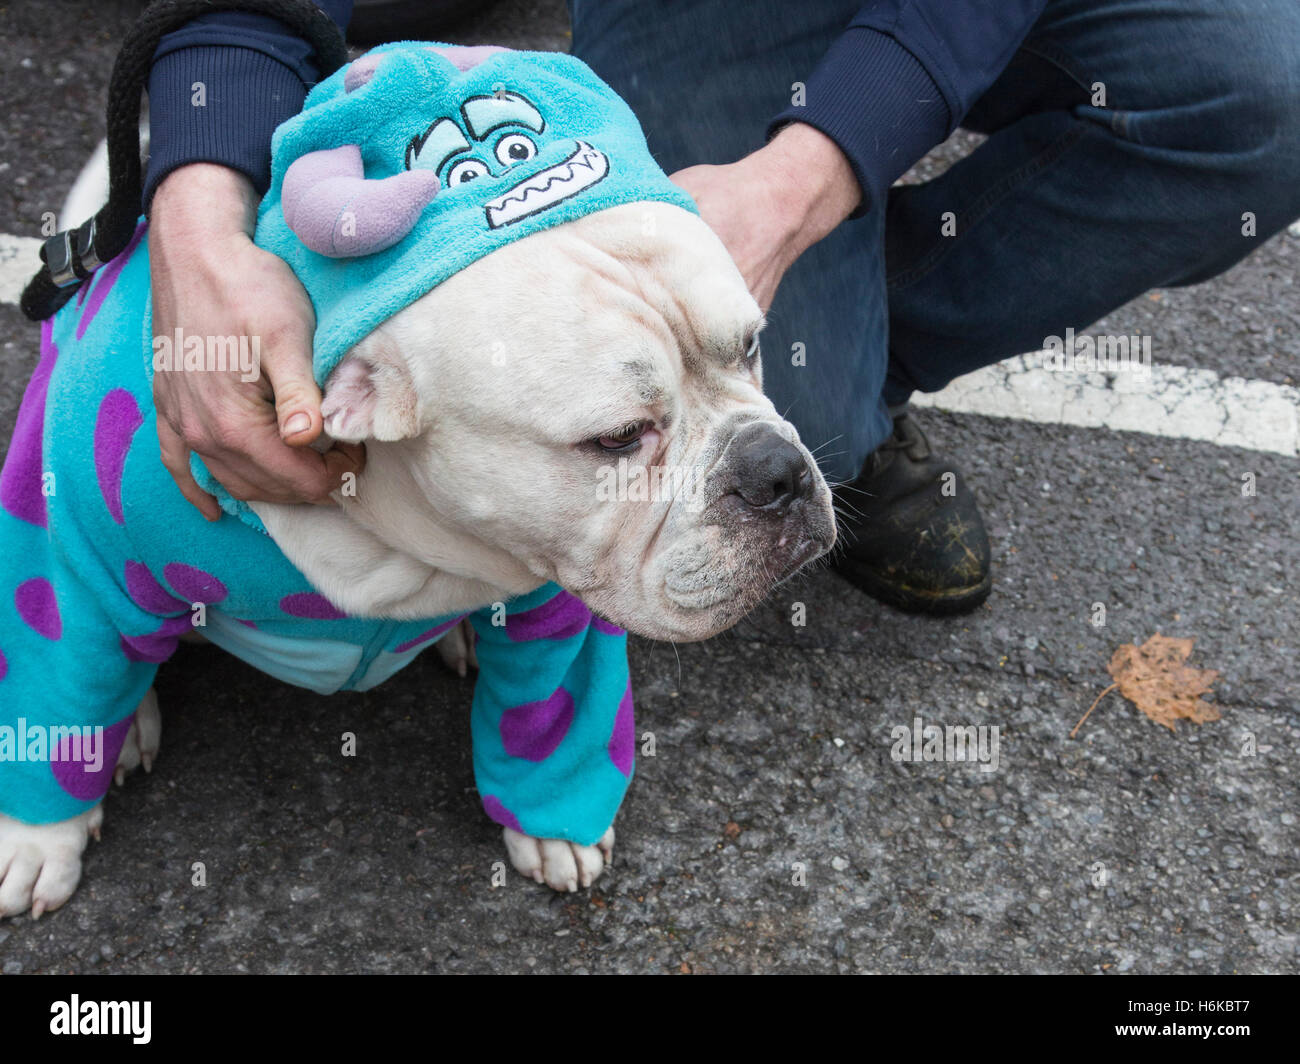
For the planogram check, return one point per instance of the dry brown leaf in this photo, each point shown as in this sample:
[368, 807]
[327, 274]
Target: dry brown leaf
[1156, 678]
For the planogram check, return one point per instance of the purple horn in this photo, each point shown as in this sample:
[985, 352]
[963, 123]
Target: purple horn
[463, 57]
[335, 210]
[361, 71]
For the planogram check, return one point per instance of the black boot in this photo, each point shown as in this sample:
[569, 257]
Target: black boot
[911, 531]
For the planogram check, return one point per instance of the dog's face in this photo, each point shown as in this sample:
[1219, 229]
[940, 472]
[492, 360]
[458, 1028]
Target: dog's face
[589, 401]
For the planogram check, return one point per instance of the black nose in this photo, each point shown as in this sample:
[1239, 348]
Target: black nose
[769, 471]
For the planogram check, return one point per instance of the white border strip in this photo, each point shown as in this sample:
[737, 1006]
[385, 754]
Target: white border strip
[19, 259]
[1173, 401]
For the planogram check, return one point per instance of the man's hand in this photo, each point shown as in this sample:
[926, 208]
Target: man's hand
[210, 279]
[773, 205]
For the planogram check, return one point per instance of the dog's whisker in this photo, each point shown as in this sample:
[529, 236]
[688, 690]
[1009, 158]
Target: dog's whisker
[827, 443]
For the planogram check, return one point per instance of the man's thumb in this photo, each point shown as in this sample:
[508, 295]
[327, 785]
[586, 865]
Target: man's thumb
[297, 398]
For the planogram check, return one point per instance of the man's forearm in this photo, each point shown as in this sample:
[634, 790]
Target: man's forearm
[902, 77]
[218, 88]
[203, 199]
[819, 187]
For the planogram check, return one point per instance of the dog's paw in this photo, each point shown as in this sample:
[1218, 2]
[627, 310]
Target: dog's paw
[142, 741]
[40, 864]
[457, 649]
[561, 865]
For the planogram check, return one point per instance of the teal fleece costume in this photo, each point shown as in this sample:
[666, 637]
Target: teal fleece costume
[403, 168]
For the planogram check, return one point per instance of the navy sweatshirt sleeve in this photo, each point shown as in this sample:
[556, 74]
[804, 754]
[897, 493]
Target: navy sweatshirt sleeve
[903, 75]
[220, 85]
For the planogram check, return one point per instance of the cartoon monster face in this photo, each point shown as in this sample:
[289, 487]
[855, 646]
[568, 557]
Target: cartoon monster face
[496, 133]
[418, 159]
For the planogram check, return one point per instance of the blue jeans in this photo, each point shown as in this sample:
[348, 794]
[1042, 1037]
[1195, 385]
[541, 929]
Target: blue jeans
[1064, 213]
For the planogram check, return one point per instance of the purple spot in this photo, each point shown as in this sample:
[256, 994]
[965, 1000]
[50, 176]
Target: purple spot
[147, 593]
[602, 625]
[622, 742]
[72, 773]
[424, 637]
[559, 618]
[498, 812]
[38, 607]
[533, 731]
[194, 585]
[104, 281]
[20, 480]
[4, 665]
[247, 624]
[311, 606]
[119, 417]
[159, 645]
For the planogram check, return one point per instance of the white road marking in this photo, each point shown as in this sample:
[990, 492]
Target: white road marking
[19, 259]
[1173, 401]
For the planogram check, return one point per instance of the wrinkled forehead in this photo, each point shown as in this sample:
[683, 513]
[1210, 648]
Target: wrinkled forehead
[609, 310]
[634, 285]
[666, 266]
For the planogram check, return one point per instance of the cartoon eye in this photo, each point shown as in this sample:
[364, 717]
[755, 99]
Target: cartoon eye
[436, 146]
[515, 148]
[466, 170]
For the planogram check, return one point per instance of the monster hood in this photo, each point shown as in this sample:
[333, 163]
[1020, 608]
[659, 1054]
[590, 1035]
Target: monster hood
[417, 159]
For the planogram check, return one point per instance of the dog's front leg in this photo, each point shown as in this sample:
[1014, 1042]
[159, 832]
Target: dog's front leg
[553, 734]
[40, 864]
[560, 864]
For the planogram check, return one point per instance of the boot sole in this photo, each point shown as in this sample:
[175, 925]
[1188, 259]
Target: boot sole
[949, 602]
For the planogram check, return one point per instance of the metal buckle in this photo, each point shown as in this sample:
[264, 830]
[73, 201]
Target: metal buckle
[71, 264]
[57, 253]
[86, 256]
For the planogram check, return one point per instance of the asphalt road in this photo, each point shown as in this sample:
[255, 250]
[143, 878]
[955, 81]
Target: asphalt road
[771, 831]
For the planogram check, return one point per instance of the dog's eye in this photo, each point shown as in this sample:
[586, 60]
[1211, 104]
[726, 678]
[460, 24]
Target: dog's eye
[626, 438]
[466, 170]
[515, 148]
[749, 360]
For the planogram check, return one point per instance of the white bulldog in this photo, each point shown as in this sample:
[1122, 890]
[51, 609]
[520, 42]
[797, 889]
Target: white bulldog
[602, 426]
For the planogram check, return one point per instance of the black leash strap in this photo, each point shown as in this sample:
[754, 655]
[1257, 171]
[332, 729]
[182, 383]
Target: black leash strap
[69, 257]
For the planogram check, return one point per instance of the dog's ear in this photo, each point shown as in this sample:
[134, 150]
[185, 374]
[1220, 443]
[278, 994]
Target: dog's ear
[370, 394]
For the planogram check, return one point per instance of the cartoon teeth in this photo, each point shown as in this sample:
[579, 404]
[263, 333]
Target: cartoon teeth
[582, 169]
